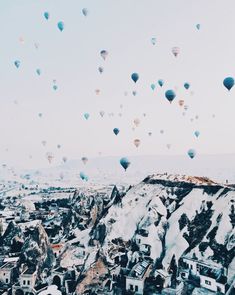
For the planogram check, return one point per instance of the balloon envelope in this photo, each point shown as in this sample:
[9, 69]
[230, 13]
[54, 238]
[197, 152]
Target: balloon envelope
[170, 95]
[125, 163]
[197, 133]
[191, 153]
[104, 54]
[228, 82]
[86, 116]
[46, 15]
[60, 26]
[153, 40]
[160, 82]
[135, 77]
[17, 63]
[116, 131]
[85, 11]
[186, 85]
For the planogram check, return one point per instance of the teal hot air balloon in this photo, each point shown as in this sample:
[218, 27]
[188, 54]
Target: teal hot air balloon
[197, 133]
[17, 63]
[125, 163]
[135, 77]
[83, 176]
[55, 87]
[153, 86]
[46, 15]
[198, 26]
[38, 71]
[228, 82]
[160, 82]
[186, 85]
[116, 131]
[153, 40]
[60, 26]
[191, 153]
[170, 95]
[85, 11]
[86, 116]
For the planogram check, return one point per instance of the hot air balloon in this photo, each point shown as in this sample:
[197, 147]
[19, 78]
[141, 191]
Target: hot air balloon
[84, 160]
[186, 85]
[125, 163]
[161, 131]
[153, 40]
[40, 115]
[46, 15]
[44, 142]
[175, 51]
[83, 176]
[64, 159]
[58, 146]
[100, 69]
[153, 86]
[137, 142]
[170, 95]
[85, 11]
[55, 87]
[150, 133]
[181, 102]
[168, 146]
[104, 54]
[135, 77]
[97, 91]
[191, 153]
[228, 82]
[17, 63]
[116, 131]
[49, 157]
[196, 133]
[160, 82]
[134, 92]
[102, 113]
[137, 122]
[86, 116]
[198, 26]
[60, 26]
[38, 71]
[36, 45]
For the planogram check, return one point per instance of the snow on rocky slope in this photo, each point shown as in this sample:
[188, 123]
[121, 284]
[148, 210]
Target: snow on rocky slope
[151, 214]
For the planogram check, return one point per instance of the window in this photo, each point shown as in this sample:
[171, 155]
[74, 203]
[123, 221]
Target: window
[4, 274]
[136, 288]
[24, 282]
[131, 287]
[207, 282]
[6, 281]
[28, 282]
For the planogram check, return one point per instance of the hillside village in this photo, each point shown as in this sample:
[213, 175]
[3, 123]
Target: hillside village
[169, 234]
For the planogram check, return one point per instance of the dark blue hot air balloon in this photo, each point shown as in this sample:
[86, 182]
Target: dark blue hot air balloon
[17, 63]
[60, 26]
[186, 85]
[116, 131]
[46, 15]
[160, 82]
[191, 153]
[135, 77]
[170, 95]
[125, 163]
[228, 82]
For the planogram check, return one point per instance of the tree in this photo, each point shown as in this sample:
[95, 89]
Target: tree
[183, 221]
[173, 271]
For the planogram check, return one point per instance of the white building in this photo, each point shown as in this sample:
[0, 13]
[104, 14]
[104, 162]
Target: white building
[28, 278]
[136, 278]
[6, 271]
[212, 276]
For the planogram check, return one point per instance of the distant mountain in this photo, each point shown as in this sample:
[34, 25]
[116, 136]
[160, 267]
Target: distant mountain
[108, 170]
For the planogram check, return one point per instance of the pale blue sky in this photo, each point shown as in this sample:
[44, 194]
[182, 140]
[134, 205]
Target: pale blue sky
[124, 28]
